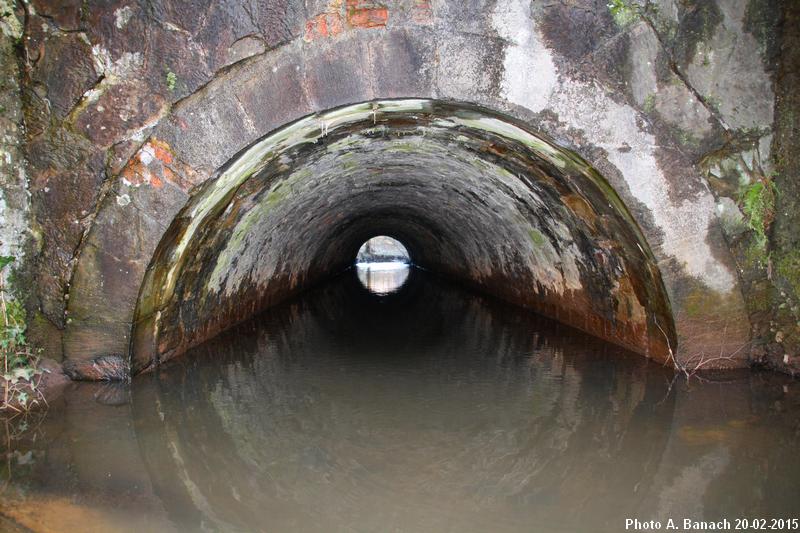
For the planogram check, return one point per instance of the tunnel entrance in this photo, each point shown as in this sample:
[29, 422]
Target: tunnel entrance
[473, 195]
[382, 265]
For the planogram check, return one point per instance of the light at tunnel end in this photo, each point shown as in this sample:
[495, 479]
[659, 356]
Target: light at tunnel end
[382, 265]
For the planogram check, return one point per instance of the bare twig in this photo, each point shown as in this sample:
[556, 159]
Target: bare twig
[691, 370]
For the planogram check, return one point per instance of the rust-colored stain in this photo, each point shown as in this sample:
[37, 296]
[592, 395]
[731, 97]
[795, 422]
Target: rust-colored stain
[361, 14]
[134, 171]
[323, 25]
[50, 514]
[695, 436]
[358, 14]
[734, 429]
[495, 148]
[162, 151]
[581, 207]
[151, 165]
[156, 182]
[629, 308]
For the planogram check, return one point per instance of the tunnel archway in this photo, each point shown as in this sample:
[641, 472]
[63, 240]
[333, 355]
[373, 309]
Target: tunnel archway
[474, 195]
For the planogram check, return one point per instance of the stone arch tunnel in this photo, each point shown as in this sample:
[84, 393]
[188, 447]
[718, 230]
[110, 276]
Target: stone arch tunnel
[188, 168]
[475, 197]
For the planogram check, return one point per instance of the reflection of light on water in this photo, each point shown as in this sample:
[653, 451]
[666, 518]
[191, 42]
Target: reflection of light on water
[382, 278]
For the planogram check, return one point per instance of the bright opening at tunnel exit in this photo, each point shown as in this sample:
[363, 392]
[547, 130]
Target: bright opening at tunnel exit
[382, 265]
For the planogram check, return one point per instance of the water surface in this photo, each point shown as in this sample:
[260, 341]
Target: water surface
[427, 409]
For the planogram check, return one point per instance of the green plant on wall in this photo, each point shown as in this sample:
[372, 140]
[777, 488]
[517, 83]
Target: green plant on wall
[758, 204]
[20, 372]
[650, 103]
[172, 80]
[624, 12]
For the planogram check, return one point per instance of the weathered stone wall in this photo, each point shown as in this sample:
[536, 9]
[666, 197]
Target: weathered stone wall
[780, 327]
[14, 202]
[131, 106]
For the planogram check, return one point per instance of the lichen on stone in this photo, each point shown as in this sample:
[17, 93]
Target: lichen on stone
[10, 25]
[624, 12]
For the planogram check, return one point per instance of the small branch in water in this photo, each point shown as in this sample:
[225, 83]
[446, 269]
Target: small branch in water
[691, 371]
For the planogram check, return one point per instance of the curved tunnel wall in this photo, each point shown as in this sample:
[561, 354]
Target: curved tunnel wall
[474, 196]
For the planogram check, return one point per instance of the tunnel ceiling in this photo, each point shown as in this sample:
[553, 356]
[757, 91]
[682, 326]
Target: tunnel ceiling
[473, 196]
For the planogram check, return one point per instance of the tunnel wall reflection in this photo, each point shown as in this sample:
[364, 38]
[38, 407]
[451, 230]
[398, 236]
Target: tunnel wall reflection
[290, 418]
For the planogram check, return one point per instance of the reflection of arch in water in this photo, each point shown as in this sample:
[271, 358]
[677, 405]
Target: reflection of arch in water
[271, 441]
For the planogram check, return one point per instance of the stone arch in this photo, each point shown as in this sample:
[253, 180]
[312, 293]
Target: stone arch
[476, 197]
[184, 151]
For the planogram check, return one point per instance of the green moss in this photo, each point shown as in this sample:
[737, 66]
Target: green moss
[755, 256]
[650, 103]
[758, 205]
[701, 302]
[624, 12]
[758, 300]
[15, 311]
[536, 237]
[407, 147]
[348, 164]
[277, 195]
[788, 267]
[284, 188]
[172, 80]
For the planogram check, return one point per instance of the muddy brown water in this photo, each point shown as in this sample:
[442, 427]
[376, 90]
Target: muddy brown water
[428, 409]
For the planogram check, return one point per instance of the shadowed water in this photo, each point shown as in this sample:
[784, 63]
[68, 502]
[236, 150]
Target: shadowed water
[426, 409]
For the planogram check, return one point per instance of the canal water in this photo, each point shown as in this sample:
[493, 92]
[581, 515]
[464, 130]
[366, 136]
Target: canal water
[423, 409]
